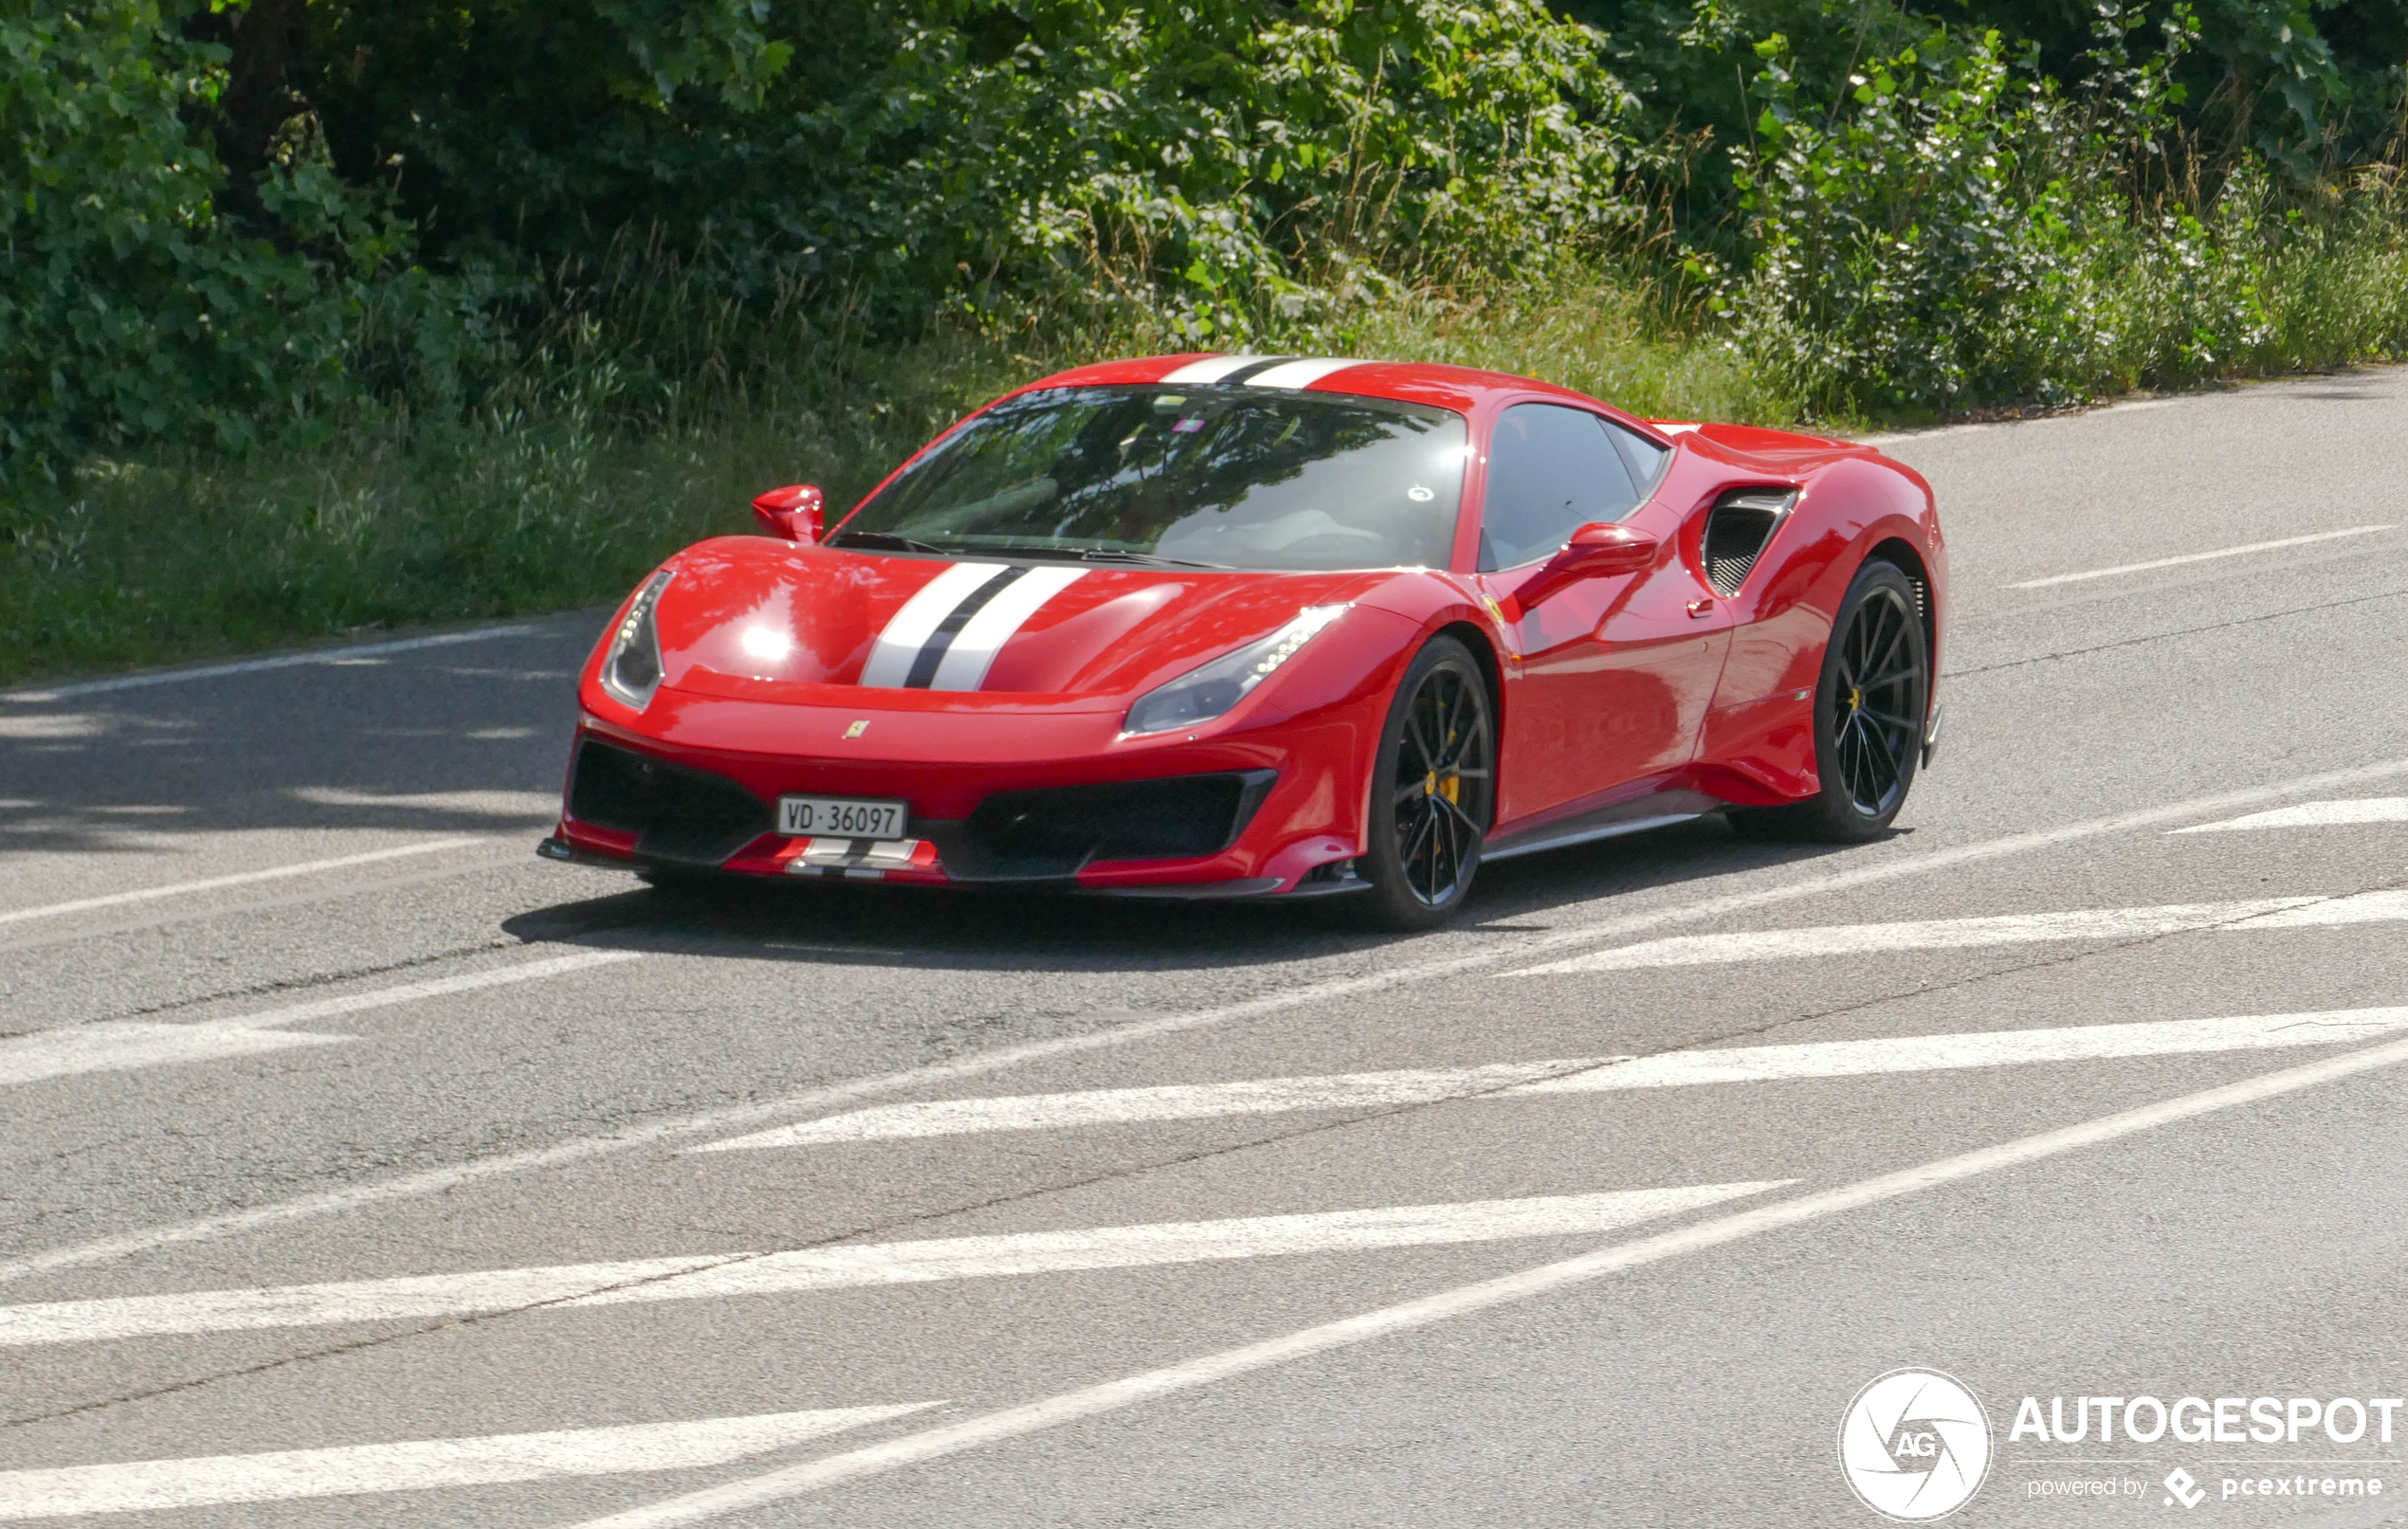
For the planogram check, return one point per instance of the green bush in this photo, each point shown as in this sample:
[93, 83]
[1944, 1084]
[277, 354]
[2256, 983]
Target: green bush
[131, 311]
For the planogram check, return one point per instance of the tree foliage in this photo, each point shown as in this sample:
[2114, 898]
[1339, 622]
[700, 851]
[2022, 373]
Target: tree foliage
[232, 219]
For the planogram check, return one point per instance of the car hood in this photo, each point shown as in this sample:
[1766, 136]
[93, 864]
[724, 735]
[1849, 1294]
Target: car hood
[753, 618]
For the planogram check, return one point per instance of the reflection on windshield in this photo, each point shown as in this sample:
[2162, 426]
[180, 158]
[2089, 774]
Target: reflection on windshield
[1220, 476]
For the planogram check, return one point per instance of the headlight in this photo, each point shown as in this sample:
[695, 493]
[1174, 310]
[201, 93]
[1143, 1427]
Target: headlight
[632, 668]
[1202, 694]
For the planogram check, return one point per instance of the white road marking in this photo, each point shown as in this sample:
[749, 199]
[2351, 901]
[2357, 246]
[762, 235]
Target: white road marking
[545, 806]
[2197, 557]
[1112, 1397]
[455, 1177]
[845, 1267]
[2315, 815]
[2007, 929]
[177, 889]
[1981, 1049]
[1578, 1075]
[118, 1045]
[158, 1485]
[1124, 1106]
[281, 660]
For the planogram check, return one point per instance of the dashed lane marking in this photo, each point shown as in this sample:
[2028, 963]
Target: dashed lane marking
[2010, 929]
[1518, 1081]
[2197, 556]
[709, 1277]
[118, 1046]
[1114, 1395]
[177, 889]
[735, 1118]
[354, 1470]
[2343, 814]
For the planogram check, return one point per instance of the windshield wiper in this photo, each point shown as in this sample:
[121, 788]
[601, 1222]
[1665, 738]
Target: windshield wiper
[889, 540]
[1092, 554]
[1118, 555]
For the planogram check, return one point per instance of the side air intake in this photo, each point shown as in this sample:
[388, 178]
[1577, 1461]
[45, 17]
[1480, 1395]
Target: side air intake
[1737, 531]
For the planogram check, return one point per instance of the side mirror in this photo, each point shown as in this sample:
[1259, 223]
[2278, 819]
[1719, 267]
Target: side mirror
[1599, 550]
[797, 512]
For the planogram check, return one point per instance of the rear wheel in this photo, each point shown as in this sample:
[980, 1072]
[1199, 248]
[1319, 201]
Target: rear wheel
[1433, 791]
[1868, 718]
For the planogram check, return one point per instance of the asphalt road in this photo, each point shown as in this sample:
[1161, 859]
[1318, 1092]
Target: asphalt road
[351, 1163]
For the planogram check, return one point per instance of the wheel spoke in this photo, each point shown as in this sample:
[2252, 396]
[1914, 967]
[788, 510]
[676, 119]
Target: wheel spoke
[1420, 741]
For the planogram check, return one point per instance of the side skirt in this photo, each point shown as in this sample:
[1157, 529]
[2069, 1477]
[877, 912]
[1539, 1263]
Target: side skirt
[1659, 811]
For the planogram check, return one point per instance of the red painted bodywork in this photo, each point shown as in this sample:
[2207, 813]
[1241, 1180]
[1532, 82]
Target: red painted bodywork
[1611, 691]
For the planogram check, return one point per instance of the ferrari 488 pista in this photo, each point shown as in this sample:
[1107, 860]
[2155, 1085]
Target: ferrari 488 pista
[1236, 626]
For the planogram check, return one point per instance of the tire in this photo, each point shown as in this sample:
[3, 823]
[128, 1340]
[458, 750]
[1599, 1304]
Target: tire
[1432, 793]
[1868, 718]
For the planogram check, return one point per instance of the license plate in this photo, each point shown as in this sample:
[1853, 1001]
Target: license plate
[840, 817]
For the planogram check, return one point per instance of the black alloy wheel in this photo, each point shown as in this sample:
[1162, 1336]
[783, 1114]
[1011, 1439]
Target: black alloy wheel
[1868, 717]
[1433, 791]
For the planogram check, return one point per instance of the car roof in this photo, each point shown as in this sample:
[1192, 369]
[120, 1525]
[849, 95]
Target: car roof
[1463, 388]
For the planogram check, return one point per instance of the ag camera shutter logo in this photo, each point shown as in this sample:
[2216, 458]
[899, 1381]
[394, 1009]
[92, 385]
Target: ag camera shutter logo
[1914, 1445]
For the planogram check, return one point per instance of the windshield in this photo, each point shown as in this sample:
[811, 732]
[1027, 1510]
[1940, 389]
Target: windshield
[1217, 477]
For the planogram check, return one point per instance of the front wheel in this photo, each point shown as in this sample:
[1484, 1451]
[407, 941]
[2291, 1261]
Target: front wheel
[1868, 718]
[1433, 791]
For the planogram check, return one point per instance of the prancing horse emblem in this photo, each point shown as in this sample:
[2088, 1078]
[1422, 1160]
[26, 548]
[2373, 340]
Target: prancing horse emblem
[857, 730]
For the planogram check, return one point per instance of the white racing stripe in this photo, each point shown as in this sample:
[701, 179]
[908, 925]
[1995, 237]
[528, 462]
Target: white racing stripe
[2196, 557]
[1213, 367]
[2315, 815]
[842, 1268]
[1114, 1395]
[1300, 373]
[1963, 934]
[176, 889]
[450, 1178]
[158, 1485]
[910, 628]
[974, 648]
[1513, 1081]
[119, 1046]
[281, 660]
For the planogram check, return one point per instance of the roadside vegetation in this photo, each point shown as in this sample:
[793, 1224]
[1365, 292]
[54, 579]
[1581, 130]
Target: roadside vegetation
[330, 314]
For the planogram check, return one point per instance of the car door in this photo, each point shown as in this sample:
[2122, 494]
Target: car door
[1614, 674]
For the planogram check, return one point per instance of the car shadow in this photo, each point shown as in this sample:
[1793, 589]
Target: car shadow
[823, 922]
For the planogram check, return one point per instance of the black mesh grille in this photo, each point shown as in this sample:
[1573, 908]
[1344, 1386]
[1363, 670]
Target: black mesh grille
[677, 814]
[1736, 533]
[1044, 834]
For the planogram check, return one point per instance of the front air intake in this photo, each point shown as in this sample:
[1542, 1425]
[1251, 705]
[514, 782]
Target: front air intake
[1038, 835]
[687, 817]
[1737, 531]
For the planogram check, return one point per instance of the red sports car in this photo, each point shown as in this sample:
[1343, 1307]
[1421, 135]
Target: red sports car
[1239, 626]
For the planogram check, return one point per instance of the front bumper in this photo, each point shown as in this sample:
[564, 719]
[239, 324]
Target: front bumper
[1058, 801]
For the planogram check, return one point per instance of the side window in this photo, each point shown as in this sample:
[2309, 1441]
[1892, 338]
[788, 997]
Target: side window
[1551, 470]
[1643, 457]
